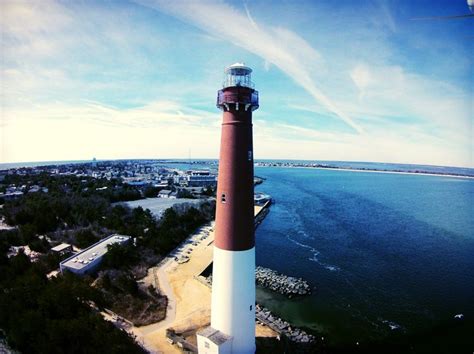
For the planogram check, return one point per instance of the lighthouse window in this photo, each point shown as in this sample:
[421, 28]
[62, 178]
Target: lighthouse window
[250, 307]
[223, 198]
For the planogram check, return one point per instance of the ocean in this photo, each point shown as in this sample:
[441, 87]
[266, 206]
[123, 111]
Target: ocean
[386, 254]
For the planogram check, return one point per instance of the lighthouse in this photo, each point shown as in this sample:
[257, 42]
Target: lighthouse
[232, 327]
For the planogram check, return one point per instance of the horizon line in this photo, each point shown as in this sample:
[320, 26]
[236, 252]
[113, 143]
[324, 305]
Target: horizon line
[62, 162]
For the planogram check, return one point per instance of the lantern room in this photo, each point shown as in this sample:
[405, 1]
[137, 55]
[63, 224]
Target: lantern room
[238, 75]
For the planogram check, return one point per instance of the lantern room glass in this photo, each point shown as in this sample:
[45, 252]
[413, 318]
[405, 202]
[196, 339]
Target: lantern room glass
[238, 76]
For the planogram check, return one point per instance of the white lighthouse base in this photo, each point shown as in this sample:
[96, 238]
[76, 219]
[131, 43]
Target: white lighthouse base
[233, 297]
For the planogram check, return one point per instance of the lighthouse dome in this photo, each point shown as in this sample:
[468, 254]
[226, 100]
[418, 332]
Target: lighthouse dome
[238, 74]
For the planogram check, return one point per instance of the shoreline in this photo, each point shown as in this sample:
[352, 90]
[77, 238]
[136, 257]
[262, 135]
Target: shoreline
[375, 171]
[6, 166]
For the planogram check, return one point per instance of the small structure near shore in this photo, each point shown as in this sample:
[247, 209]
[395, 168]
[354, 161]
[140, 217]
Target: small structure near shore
[283, 284]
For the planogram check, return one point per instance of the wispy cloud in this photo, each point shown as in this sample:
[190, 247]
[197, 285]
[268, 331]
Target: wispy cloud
[384, 16]
[391, 90]
[277, 45]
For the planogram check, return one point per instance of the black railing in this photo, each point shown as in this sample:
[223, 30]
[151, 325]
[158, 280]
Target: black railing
[242, 97]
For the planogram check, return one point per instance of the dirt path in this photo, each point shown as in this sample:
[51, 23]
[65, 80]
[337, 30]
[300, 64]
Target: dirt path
[159, 273]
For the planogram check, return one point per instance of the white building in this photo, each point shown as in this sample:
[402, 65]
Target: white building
[165, 193]
[62, 248]
[200, 178]
[88, 259]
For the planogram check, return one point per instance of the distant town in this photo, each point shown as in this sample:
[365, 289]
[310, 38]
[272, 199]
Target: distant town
[141, 174]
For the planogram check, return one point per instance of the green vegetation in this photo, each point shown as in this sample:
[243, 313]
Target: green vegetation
[40, 315]
[136, 303]
[68, 213]
[175, 227]
[184, 193]
[86, 237]
[112, 190]
[152, 192]
[120, 256]
[41, 212]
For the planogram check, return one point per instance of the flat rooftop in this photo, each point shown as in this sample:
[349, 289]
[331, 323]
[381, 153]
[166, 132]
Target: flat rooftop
[61, 247]
[97, 250]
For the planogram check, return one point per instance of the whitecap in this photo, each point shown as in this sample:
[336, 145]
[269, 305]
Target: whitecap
[331, 268]
[315, 254]
[304, 234]
[393, 326]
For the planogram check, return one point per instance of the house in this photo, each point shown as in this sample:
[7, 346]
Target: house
[165, 193]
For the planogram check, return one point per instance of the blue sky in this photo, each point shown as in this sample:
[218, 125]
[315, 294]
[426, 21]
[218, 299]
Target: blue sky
[338, 80]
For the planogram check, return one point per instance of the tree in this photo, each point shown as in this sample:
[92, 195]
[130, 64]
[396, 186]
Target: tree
[41, 316]
[184, 193]
[85, 238]
[120, 256]
[152, 192]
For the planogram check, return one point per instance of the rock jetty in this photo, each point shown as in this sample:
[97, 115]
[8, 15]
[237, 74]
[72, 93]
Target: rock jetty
[265, 316]
[283, 284]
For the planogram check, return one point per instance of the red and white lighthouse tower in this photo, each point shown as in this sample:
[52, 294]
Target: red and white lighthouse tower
[233, 276]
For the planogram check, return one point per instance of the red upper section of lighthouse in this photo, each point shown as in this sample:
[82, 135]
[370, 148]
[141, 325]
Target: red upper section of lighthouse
[235, 202]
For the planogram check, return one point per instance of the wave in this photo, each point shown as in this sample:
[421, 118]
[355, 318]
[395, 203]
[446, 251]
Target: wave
[315, 253]
[305, 235]
[393, 326]
[332, 268]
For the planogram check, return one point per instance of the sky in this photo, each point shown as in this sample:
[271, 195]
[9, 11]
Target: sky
[337, 80]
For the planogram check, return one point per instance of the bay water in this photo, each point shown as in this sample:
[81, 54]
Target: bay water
[386, 254]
